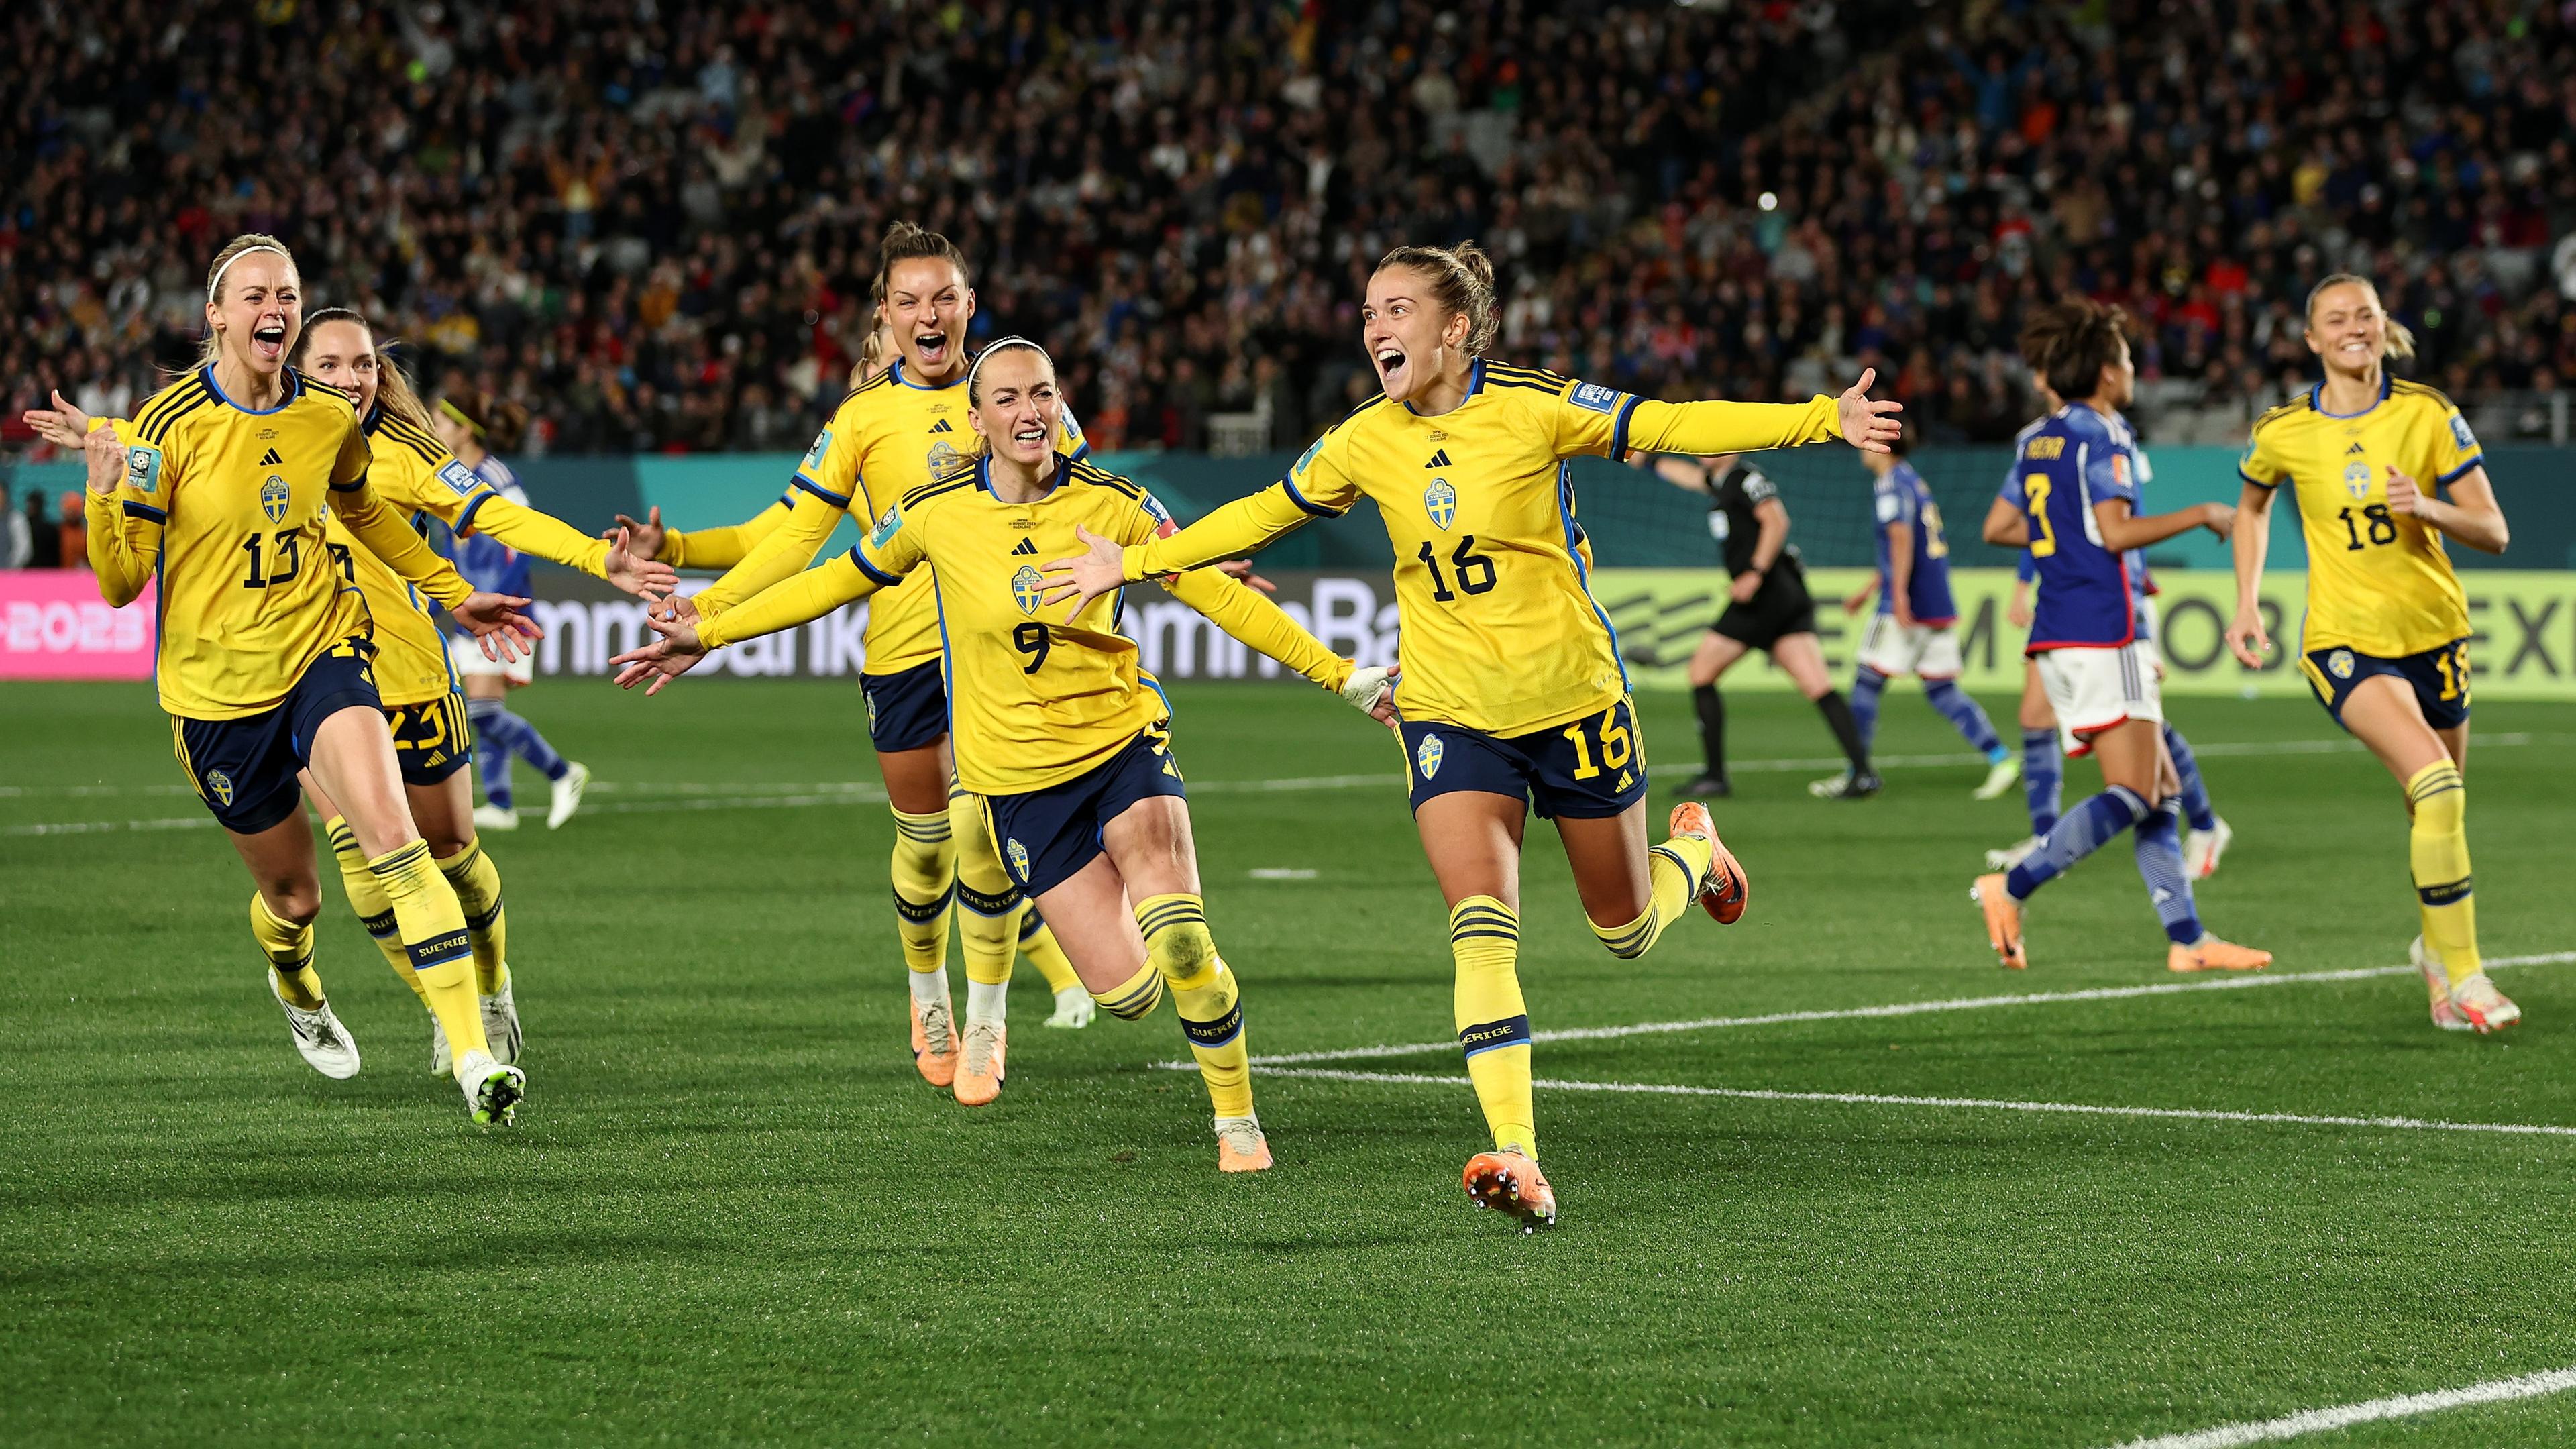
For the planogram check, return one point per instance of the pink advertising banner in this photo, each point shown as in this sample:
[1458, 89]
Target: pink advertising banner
[53, 625]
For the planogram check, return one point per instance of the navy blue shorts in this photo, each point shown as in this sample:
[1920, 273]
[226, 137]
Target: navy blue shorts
[244, 769]
[906, 711]
[1047, 835]
[433, 740]
[2439, 677]
[1587, 770]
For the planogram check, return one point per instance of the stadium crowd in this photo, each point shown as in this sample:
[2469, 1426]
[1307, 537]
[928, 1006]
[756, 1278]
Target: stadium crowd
[653, 223]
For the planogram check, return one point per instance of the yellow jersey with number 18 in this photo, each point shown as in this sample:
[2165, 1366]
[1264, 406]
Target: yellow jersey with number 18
[886, 439]
[228, 507]
[2379, 582]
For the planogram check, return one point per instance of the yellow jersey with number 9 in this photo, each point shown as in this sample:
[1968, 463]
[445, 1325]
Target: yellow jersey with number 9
[2379, 582]
[886, 439]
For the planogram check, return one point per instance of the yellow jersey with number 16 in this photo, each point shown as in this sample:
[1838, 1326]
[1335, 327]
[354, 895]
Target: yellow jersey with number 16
[2379, 582]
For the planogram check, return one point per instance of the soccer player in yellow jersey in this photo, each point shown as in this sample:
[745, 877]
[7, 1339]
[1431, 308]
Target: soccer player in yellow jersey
[2385, 643]
[419, 477]
[1056, 729]
[1511, 686]
[220, 486]
[899, 430]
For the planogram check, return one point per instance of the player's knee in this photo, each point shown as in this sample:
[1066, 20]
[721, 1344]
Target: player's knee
[447, 838]
[1629, 940]
[1177, 939]
[2441, 801]
[1135, 998]
[294, 901]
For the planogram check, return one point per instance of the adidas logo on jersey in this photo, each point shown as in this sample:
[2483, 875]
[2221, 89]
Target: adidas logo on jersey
[270, 459]
[2355, 448]
[1027, 547]
[941, 426]
[1439, 459]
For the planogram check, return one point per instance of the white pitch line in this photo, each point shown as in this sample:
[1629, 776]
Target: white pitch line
[2318, 1421]
[1986, 1104]
[764, 796]
[1909, 1008]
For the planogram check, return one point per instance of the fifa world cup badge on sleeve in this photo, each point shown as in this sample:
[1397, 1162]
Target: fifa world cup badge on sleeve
[1427, 758]
[458, 477]
[1594, 396]
[886, 527]
[822, 445]
[143, 468]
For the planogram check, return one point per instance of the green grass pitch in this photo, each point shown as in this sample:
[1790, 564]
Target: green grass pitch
[734, 1215]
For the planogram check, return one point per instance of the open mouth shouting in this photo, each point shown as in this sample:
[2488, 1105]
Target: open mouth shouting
[933, 347]
[1390, 365]
[268, 339]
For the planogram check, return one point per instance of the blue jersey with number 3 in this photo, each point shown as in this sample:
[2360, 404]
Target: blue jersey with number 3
[2063, 465]
[1903, 497]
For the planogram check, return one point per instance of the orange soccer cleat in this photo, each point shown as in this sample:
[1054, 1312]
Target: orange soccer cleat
[934, 1042]
[1510, 1182]
[979, 1076]
[1725, 891]
[1240, 1147]
[2213, 954]
[2003, 920]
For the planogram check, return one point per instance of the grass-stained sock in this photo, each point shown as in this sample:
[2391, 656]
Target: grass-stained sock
[432, 926]
[1178, 944]
[368, 900]
[477, 883]
[289, 949]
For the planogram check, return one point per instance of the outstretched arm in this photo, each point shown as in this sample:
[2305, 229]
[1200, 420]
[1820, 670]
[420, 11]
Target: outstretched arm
[706, 548]
[1249, 616]
[1733, 427]
[533, 532]
[1238, 528]
[806, 597]
[785, 552]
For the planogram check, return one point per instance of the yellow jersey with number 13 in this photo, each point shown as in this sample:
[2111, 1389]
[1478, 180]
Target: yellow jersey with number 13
[228, 507]
[2379, 582]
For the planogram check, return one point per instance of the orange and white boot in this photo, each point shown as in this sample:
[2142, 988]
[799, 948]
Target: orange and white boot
[2437, 982]
[979, 1074]
[2486, 1009]
[1240, 1147]
[1727, 888]
[934, 1042]
[2003, 921]
[1510, 1182]
[2213, 954]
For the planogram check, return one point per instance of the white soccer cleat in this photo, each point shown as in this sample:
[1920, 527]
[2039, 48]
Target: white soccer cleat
[493, 817]
[2437, 984]
[2002, 775]
[492, 1091]
[2486, 1009]
[442, 1061]
[567, 794]
[2202, 848]
[324, 1043]
[2013, 854]
[1073, 1008]
[501, 1025]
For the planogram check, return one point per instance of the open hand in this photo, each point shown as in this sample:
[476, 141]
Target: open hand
[496, 623]
[2247, 640]
[663, 660]
[644, 540]
[1867, 424]
[635, 571]
[1744, 587]
[1240, 569]
[1087, 576]
[64, 425]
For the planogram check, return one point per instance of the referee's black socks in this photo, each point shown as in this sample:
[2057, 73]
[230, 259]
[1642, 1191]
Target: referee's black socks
[1712, 726]
[1838, 715]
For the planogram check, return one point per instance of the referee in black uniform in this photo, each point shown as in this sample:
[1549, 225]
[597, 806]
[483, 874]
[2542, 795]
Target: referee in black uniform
[1767, 609]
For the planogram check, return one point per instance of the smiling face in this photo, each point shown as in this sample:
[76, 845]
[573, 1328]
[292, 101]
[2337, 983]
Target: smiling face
[1411, 339]
[1017, 408]
[928, 304]
[258, 311]
[341, 354]
[2347, 328]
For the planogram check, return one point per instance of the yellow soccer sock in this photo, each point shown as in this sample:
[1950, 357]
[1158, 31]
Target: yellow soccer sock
[1178, 944]
[1039, 945]
[1135, 998]
[367, 898]
[1493, 1021]
[924, 870]
[477, 883]
[2437, 850]
[988, 906]
[289, 949]
[432, 926]
[1676, 868]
